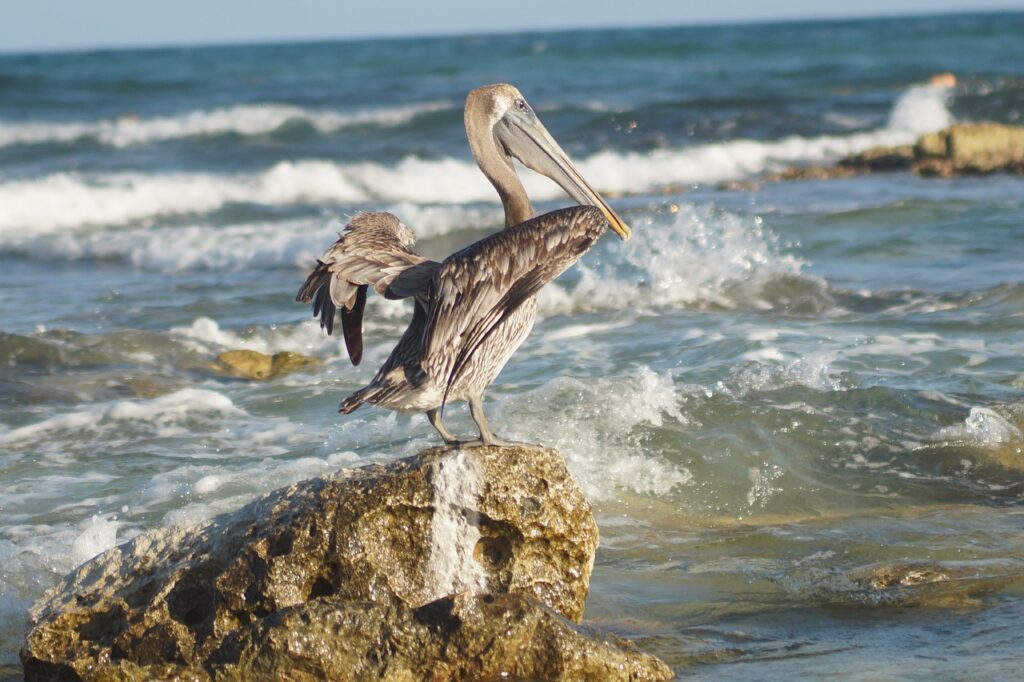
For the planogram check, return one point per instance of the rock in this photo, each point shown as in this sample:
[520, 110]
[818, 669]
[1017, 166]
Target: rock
[362, 568]
[813, 173]
[962, 149]
[466, 637]
[740, 186]
[931, 584]
[971, 149]
[881, 159]
[251, 364]
[931, 145]
[908, 574]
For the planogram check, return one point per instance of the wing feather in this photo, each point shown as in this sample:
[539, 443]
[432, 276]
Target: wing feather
[480, 286]
[373, 250]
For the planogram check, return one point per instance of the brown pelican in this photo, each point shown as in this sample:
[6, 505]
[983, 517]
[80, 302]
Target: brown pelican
[473, 309]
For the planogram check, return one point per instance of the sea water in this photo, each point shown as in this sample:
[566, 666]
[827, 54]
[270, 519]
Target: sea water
[767, 394]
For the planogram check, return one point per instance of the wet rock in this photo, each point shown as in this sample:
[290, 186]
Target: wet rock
[351, 576]
[881, 159]
[971, 149]
[740, 186]
[812, 173]
[931, 584]
[251, 364]
[466, 637]
[962, 149]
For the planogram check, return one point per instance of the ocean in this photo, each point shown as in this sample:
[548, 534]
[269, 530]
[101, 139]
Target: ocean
[769, 395]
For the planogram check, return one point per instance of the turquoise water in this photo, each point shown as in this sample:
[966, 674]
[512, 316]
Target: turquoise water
[767, 394]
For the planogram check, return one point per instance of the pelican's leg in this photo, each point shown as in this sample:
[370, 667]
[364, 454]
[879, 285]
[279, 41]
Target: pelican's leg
[476, 408]
[435, 421]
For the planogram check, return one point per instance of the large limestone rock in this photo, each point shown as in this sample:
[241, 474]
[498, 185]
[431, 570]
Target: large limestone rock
[448, 565]
[466, 637]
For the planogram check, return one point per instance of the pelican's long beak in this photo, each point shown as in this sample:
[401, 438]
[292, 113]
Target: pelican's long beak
[526, 138]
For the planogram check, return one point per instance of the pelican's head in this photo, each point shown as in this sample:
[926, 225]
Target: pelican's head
[517, 132]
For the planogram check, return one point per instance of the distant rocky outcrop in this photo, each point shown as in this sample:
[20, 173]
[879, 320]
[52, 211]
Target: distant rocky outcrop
[962, 149]
[251, 364]
[450, 565]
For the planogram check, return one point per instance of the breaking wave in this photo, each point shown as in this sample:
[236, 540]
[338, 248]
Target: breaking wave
[242, 119]
[124, 198]
[698, 256]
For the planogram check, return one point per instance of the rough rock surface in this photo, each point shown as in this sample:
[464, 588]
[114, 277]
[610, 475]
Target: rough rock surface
[448, 565]
[971, 149]
[932, 584]
[962, 149]
[251, 364]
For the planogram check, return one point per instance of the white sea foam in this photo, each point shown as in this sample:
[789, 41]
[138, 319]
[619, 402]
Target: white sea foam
[97, 536]
[232, 247]
[922, 109]
[604, 438]
[206, 335]
[769, 369]
[164, 415]
[114, 199]
[983, 426]
[242, 119]
[698, 255]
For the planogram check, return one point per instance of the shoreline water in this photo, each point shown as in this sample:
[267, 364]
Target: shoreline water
[812, 380]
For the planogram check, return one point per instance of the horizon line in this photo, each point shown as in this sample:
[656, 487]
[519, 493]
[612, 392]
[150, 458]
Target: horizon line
[503, 31]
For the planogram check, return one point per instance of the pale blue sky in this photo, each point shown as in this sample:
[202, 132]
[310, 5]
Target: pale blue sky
[74, 24]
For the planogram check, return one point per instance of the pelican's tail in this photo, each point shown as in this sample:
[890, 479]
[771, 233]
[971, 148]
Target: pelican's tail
[354, 401]
[374, 393]
[372, 251]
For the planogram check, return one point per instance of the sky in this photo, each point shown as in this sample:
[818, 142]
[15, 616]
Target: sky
[40, 25]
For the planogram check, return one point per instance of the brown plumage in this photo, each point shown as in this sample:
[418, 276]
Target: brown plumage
[472, 310]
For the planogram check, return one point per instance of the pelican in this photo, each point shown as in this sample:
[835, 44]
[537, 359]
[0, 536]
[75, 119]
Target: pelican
[474, 309]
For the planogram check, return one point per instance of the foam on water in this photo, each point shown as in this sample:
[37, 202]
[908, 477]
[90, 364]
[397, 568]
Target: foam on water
[983, 426]
[164, 415]
[114, 199]
[205, 335]
[770, 369]
[698, 255]
[232, 247]
[600, 425]
[97, 537]
[242, 119]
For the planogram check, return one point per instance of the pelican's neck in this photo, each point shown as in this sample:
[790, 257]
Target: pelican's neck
[495, 163]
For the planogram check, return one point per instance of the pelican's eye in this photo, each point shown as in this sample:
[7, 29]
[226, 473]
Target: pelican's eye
[521, 105]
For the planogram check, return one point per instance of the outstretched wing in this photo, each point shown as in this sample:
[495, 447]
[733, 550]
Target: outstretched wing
[480, 286]
[373, 250]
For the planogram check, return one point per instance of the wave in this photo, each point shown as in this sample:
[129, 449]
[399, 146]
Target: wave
[603, 441]
[27, 206]
[236, 247]
[691, 256]
[166, 415]
[242, 119]
[697, 256]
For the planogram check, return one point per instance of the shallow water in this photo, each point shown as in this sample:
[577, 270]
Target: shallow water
[767, 395]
